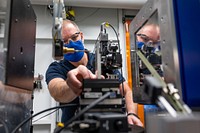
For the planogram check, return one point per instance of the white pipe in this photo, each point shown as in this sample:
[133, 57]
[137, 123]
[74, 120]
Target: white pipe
[120, 4]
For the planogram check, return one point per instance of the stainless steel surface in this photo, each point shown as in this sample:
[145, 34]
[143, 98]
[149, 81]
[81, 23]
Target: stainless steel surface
[20, 38]
[168, 124]
[15, 106]
[98, 60]
[170, 59]
[16, 102]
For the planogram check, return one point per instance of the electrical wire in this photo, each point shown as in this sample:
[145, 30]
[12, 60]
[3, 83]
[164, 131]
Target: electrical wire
[91, 105]
[29, 118]
[44, 116]
[4, 125]
[116, 35]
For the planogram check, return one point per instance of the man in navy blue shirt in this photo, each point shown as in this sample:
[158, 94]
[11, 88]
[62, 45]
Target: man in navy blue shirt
[64, 78]
[149, 35]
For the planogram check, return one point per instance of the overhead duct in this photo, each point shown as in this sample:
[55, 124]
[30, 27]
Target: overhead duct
[121, 4]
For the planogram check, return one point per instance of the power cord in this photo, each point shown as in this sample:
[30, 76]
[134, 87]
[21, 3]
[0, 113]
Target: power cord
[31, 117]
[4, 125]
[44, 116]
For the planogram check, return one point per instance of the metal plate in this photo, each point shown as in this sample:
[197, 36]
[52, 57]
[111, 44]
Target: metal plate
[21, 45]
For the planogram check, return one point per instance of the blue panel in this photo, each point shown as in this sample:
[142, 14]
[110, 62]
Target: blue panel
[187, 19]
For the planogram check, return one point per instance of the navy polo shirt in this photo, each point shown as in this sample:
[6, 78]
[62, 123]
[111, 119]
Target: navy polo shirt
[60, 70]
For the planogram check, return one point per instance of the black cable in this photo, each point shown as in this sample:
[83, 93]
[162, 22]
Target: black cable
[116, 35]
[91, 105]
[29, 118]
[4, 125]
[44, 116]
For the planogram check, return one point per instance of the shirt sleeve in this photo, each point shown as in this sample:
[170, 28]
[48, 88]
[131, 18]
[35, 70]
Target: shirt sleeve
[55, 70]
[120, 76]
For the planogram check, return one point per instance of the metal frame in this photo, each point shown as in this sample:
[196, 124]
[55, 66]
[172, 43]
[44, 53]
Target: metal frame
[169, 50]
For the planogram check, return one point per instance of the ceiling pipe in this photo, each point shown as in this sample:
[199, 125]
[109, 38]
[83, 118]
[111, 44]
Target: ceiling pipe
[120, 4]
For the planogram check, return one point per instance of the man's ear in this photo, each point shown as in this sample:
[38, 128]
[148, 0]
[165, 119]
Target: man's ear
[82, 37]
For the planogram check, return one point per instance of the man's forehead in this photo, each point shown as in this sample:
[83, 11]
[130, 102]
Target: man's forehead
[68, 31]
[151, 31]
[150, 28]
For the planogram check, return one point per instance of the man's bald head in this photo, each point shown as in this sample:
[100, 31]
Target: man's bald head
[152, 31]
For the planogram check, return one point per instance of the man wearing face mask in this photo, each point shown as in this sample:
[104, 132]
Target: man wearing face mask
[64, 78]
[148, 42]
[149, 36]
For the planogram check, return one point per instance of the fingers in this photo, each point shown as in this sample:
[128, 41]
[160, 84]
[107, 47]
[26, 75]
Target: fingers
[75, 78]
[73, 82]
[86, 74]
[92, 76]
[96, 73]
[132, 120]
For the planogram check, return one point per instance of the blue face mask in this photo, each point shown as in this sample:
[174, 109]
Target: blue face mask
[139, 44]
[76, 56]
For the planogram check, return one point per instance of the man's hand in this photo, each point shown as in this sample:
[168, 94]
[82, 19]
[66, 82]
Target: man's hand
[133, 120]
[75, 78]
